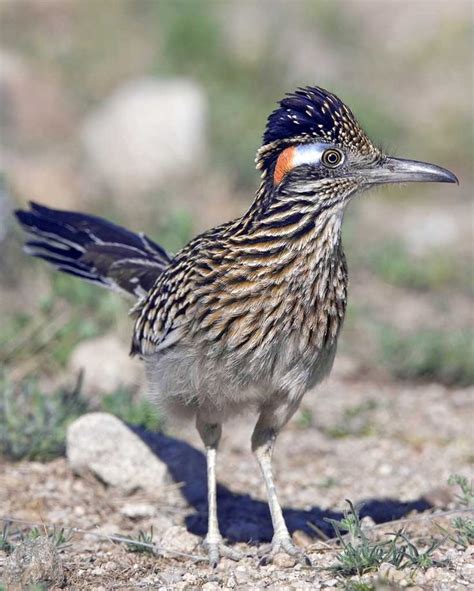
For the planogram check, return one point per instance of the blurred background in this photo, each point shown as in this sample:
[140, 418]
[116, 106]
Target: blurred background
[150, 112]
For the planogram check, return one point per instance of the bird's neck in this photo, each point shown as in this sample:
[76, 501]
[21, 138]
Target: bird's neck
[304, 223]
[289, 253]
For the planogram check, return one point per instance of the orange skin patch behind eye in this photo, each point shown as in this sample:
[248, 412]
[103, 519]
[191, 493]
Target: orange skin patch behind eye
[283, 164]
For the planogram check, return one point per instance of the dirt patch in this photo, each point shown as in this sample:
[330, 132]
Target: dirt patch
[392, 446]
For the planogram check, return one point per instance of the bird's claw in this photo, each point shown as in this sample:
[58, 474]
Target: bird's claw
[284, 544]
[216, 549]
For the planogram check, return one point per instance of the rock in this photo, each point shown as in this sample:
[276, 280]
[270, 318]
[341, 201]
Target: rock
[284, 560]
[138, 510]
[32, 562]
[301, 538]
[101, 444]
[146, 132]
[390, 573]
[106, 365]
[177, 538]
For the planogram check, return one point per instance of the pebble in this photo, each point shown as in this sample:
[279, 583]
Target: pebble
[34, 561]
[284, 560]
[390, 572]
[301, 538]
[138, 510]
[179, 539]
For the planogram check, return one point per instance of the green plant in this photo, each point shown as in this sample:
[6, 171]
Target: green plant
[137, 544]
[305, 418]
[393, 263]
[466, 496]
[60, 537]
[443, 356]
[142, 413]
[6, 544]
[360, 554]
[73, 311]
[463, 532]
[358, 586]
[33, 424]
[355, 421]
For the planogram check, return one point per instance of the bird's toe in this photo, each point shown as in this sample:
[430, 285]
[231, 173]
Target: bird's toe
[216, 550]
[286, 546]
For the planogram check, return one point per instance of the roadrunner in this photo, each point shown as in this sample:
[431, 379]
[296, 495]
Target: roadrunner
[247, 315]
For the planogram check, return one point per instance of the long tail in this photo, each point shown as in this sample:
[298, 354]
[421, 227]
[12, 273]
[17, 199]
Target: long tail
[93, 249]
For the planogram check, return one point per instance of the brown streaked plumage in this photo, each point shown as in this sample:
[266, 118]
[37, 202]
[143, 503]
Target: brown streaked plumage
[247, 315]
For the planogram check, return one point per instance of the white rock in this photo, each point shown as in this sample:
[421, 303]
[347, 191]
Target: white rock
[138, 510]
[106, 365]
[101, 444]
[147, 131]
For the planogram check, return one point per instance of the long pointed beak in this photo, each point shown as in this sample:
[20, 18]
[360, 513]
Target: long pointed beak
[398, 170]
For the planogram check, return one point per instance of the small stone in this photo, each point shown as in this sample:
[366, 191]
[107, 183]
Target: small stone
[241, 574]
[301, 538]
[210, 587]
[389, 572]
[170, 578]
[431, 573]
[284, 560]
[469, 552]
[101, 444]
[385, 469]
[138, 510]
[34, 561]
[177, 538]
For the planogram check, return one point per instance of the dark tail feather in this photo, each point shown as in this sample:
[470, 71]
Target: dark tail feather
[93, 248]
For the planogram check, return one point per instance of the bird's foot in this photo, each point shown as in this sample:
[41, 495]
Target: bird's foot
[284, 544]
[216, 549]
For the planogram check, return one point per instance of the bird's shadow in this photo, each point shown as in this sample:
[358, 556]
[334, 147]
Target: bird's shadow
[241, 517]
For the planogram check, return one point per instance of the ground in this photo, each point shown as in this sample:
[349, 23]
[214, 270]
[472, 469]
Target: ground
[390, 445]
[394, 420]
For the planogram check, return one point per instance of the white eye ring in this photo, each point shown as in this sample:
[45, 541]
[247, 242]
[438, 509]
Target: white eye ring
[332, 158]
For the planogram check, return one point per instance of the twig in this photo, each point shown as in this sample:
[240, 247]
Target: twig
[319, 531]
[112, 538]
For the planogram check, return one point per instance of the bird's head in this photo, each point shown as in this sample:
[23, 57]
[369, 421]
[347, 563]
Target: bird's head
[314, 146]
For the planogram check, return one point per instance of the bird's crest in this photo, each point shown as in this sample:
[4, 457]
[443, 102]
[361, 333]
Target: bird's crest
[312, 114]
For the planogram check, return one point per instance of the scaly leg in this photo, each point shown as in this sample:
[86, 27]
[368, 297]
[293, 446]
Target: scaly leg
[211, 434]
[270, 422]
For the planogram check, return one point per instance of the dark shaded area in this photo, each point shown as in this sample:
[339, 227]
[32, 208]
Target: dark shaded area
[242, 518]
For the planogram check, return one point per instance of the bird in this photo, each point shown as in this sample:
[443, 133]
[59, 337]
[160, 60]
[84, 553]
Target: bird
[246, 316]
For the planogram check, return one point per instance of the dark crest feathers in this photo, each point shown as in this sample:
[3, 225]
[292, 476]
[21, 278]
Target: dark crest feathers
[314, 114]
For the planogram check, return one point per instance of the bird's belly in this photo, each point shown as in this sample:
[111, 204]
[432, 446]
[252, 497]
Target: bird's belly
[184, 379]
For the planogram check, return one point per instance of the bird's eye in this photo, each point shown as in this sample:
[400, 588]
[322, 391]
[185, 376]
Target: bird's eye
[332, 158]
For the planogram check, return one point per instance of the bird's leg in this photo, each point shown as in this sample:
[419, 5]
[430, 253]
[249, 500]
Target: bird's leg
[263, 439]
[210, 435]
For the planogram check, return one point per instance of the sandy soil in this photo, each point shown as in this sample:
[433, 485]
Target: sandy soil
[391, 446]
